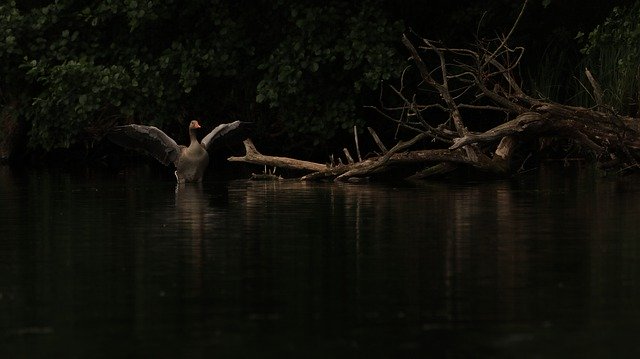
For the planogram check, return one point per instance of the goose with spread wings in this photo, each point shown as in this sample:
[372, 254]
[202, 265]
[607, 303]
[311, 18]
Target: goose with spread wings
[190, 161]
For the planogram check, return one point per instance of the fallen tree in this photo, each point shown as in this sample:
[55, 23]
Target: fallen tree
[464, 86]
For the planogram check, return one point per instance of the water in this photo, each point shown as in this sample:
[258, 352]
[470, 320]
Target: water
[104, 266]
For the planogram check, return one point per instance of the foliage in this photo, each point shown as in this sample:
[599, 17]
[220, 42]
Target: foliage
[70, 69]
[81, 66]
[551, 77]
[86, 64]
[330, 55]
[612, 52]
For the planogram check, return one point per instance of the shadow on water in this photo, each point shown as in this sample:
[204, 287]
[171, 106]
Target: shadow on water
[545, 265]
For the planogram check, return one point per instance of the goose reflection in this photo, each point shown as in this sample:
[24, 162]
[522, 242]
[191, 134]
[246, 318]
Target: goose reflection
[191, 198]
[190, 201]
[197, 209]
[195, 214]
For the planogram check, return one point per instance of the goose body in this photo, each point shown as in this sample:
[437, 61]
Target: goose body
[190, 161]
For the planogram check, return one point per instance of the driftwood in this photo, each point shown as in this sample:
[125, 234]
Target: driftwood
[346, 172]
[468, 85]
[253, 156]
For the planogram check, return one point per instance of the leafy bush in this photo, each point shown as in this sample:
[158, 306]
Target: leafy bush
[613, 55]
[84, 67]
[78, 67]
[329, 57]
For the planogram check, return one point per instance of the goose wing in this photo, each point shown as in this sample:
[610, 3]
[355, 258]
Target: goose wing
[220, 131]
[148, 139]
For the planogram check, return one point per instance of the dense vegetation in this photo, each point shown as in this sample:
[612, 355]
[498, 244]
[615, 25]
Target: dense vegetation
[71, 69]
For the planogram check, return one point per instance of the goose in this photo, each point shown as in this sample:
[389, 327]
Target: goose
[190, 161]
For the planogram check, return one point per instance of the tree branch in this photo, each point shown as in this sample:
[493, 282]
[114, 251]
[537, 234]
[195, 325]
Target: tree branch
[253, 156]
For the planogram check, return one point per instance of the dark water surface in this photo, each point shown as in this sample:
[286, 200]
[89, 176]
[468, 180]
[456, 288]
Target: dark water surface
[93, 266]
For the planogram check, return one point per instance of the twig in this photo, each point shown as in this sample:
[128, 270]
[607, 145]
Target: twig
[355, 135]
[597, 90]
[381, 161]
[376, 139]
[441, 87]
[506, 38]
[348, 155]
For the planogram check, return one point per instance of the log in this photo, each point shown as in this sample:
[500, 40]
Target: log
[253, 156]
[528, 121]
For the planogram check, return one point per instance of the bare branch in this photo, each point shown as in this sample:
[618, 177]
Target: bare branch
[522, 122]
[381, 161]
[597, 90]
[377, 140]
[253, 156]
[506, 38]
[355, 135]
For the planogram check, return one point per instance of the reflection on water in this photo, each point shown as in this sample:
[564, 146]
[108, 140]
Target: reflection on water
[93, 266]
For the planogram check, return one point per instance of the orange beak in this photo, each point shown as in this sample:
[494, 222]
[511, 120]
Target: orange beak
[197, 125]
